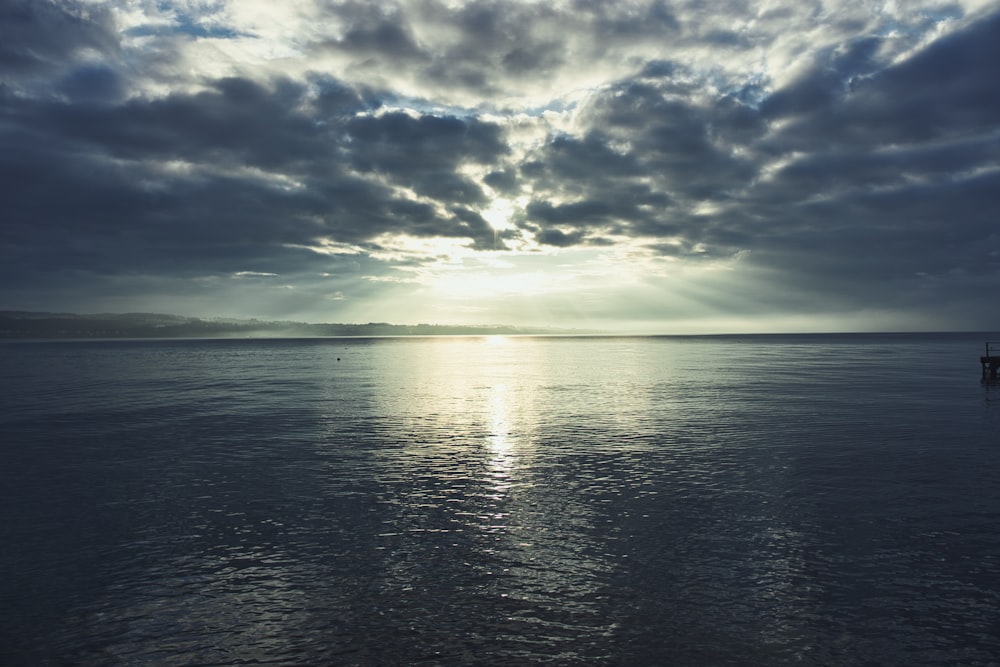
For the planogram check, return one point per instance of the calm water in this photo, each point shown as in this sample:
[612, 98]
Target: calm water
[621, 501]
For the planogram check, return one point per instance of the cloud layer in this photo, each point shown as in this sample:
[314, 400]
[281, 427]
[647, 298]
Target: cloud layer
[752, 165]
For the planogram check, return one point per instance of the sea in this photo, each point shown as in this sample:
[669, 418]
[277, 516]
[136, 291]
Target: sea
[714, 500]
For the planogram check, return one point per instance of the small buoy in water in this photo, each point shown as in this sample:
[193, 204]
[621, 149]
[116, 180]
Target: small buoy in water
[338, 358]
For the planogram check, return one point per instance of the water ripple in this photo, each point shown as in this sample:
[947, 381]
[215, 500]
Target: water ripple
[610, 501]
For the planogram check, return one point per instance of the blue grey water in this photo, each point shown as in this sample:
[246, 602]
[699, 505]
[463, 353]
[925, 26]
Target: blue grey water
[753, 500]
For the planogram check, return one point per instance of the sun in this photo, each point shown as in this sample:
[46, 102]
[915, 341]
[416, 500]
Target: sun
[499, 214]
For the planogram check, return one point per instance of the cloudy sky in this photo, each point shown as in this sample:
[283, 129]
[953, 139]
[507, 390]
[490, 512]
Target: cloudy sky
[645, 165]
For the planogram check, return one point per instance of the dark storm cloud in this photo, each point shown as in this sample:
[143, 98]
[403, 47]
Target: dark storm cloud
[93, 83]
[425, 152]
[486, 47]
[888, 186]
[38, 37]
[559, 238]
[899, 173]
[96, 215]
[162, 184]
[835, 72]
[649, 158]
[947, 90]
[236, 121]
[496, 40]
[377, 35]
[655, 20]
[502, 180]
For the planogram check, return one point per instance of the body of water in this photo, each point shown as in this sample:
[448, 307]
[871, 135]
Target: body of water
[818, 500]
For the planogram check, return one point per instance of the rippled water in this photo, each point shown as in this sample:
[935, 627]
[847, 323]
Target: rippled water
[504, 501]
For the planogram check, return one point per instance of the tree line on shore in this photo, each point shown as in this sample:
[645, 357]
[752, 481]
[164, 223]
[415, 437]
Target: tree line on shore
[24, 324]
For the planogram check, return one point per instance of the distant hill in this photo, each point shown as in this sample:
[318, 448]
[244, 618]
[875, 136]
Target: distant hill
[26, 324]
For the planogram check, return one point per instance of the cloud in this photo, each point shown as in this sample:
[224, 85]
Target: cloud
[38, 38]
[845, 156]
[235, 173]
[872, 182]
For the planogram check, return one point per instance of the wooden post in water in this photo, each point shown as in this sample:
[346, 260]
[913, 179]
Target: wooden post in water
[991, 365]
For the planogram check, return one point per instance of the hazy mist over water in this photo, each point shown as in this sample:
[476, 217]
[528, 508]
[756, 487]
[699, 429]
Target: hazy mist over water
[626, 501]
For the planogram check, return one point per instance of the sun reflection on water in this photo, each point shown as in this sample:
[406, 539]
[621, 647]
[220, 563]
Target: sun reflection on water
[499, 427]
[471, 511]
[495, 339]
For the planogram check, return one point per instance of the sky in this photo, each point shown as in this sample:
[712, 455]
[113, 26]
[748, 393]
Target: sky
[654, 166]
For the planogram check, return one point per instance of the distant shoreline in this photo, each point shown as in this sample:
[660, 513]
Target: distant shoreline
[28, 325]
[42, 325]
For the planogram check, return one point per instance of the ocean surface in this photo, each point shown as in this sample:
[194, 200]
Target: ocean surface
[754, 500]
